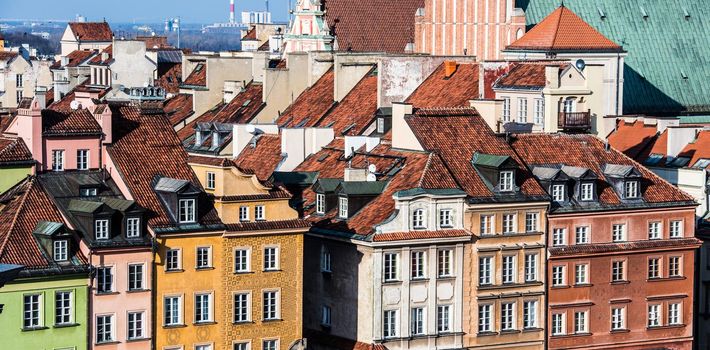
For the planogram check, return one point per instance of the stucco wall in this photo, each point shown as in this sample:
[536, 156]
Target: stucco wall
[10, 176]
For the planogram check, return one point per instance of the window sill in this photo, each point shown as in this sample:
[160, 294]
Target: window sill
[618, 331]
[666, 279]
[136, 340]
[31, 329]
[272, 320]
[137, 291]
[238, 323]
[174, 271]
[110, 342]
[106, 293]
[509, 331]
[168, 326]
[670, 326]
[206, 268]
[272, 270]
[573, 335]
[582, 285]
[486, 334]
[530, 330]
[65, 325]
[204, 323]
[418, 279]
[508, 285]
[445, 278]
[243, 272]
[560, 287]
[392, 282]
[619, 282]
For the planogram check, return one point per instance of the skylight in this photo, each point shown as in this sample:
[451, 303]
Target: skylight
[702, 163]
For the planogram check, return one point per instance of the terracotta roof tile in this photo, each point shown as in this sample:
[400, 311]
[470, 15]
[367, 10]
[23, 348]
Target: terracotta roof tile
[154, 41]
[69, 122]
[65, 103]
[169, 77]
[14, 151]
[698, 149]
[599, 248]
[213, 161]
[455, 91]
[633, 138]
[528, 75]
[311, 105]
[178, 108]
[76, 58]
[198, 76]
[264, 158]
[5, 122]
[372, 25]
[563, 30]
[356, 111]
[8, 55]
[98, 59]
[589, 152]
[251, 34]
[91, 31]
[404, 236]
[268, 225]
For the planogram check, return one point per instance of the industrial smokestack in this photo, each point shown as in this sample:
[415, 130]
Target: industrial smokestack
[231, 11]
[267, 5]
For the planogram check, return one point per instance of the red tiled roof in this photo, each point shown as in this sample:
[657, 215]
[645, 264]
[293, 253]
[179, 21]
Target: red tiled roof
[632, 138]
[178, 108]
[250, 35]
[240, 110]
[372, 25]
[69, 122]
[405, 236]
[154, 42]
[76, 58]
[91, 31]
[563, 30]
[456, 134]
[263, 159]
[8, 55]
[626, 247]
[5, 122]
[525, 75]
[455, 91]
[311, 105]
[169, 77]
[13, 151]
[589, 152]
[268, 225]
[65, 103]
[356, 111]
[698, 149]
[213, 161]
[198, 76]
[146, 146]
[98, 59]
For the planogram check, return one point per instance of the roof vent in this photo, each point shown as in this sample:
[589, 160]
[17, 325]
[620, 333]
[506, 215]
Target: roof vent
[682, 74]
[643, 13]
[602, 15]
[686, 14]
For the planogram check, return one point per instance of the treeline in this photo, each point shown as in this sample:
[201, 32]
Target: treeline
[44, 46]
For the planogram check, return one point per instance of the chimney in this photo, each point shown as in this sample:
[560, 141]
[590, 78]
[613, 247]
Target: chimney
[232, 89]
[104, 56]
[29, 127]
[679, 137]
[552, 76]
[41, 98]
[231, 11]
[449, 68]
[65, 61]
[402, 135]
[352, 174]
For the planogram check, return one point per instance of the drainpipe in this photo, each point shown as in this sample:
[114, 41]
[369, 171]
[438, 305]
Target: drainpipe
[153, 295]
[90, 309]
[618, 69]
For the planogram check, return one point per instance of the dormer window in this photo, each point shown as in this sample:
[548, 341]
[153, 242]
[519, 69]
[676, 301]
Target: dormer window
[505, 182]
[88, 192]
[101, 229]
[631, 189]
[133, 227]
[320, 203]
[586, 192]
[186, 210]
[418, 219]
[380, 125]
[558, 192]
[343, 208]
[61, 250]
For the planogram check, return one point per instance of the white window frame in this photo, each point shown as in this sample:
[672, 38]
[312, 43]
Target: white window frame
[618, 233]
[270, 344]
[509, 269]
[259, 213]
[675, 266]
[418, 219]
[558, 324]
[417, 322]
[559, 236]
[581, 274]
[445, 262]
[271, 258]
[485, 318]
[390, 323]
[390, 264]
[443, 318]
[581, 322]
[618, 273]
[558, 192]
[343, 207]
[676, 229]
[418, 264]
[654, 268]
[532, 222]
[203, 257]
[586, 191]
[507, 316]
[271, 305]
[61, 250]
[172, 310]
[531, 267]
[210, 181]
[446, 218]
[320, 203]
[102, 229]
[186, 210]
[135, 325]
[485, 270]
[63, 301]
[631, 189]
[133, 227]
[173, 259]
[675, 313]
[102, 334]
[618, 318]
[510, 223]
[487, 224]
[522, 110]
[506, 108]
[242, 307]
[58, 160]
[136, 277]
[655, 230]
[654, 315]
[380, 125]
[244, 213]
[82, 159]
[539, 117]
[581, 235]
[506, 180]
[529, 314]
[558, 276]
[105, 279]
[203, 313]
[242, 260]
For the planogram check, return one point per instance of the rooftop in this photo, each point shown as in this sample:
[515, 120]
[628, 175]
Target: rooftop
[198, 76]
[357, 109]
[261, 156]
[311, 105]
[438, 90]
[91, 31]
[14, 151]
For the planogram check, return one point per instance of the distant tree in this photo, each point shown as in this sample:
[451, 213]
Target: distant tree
[44, 46]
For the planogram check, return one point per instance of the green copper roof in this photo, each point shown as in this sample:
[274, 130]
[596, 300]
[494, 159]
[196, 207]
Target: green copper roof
[667, 63]
[695, 119]
[490, 160]
[47, 228]
[84, 206]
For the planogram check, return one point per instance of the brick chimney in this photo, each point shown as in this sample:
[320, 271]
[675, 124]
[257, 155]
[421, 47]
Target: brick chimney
[449, 68]
[29, 125]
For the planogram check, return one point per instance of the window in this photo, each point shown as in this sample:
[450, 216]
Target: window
[654, 270]
[31, 313]
[417, 320]
[676, 230]
[617, 271]
[243, 213]
[443, 318]
[506, 181]
[380, 125]
[82, 159]
[186, 210]
[506, 109]
[241, 307]
[508, 223]
[530, 314]
[539, 117]
[271, 308]
[104, 328]
[203, 347]
[389, 329]
[582, 234]
[558, 324]
[325, 259]
[558, 193]
[654, 311]
[172, 313]
[507, 316]
[259, 213]
[580, 274]
[172, 260]
[530, 267]
[135, 277]
[674, 266]
[101, 227]
[62, 311]
[618, 232]
[484, 318]
[587, 191]
[18, 80]
[320, 203]
[391, 266]
[487, 224]
[654, 230]
[88, 192]
[271, 258]
[558, 237]
[241, 346]
[241, 260]
[104, 280]
[325, 316]
[203, 311]
[210, 180]
[580, 322]
[343, 207]
[270, 344]
[445, 218]
[445, 264]
[522, 110]
[531, 222]
[485, 266]
[674, 314]
[631, 189]
[203, 258]
[135, 325]
[133, 227]
[418, 219]
[558, 275]
[418, 258]
[57, 160]
[617, 318]
[569, 105]
[18, 96]
[509, 269]
[61, 250]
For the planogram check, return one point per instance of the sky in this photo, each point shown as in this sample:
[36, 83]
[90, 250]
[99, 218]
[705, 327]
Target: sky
[141, 11]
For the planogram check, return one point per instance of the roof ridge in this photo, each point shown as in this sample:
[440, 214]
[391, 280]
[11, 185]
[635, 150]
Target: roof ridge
[426, 168]
[557, 26]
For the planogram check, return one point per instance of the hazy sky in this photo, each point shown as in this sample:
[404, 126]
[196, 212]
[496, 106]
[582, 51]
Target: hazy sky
[204, 11]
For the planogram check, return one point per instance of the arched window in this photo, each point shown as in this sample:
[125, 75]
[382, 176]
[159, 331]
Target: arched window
[519, 33]
[418, 219]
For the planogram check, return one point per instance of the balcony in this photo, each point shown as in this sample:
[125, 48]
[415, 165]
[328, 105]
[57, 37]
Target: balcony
[574, 121]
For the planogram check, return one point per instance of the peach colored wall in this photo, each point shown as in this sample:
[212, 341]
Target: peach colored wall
[70, 145]
[121, 302]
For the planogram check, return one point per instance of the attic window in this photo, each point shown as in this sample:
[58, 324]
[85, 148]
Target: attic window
[631, 189]
[246, 103]
[505, 182]
[186, 210]
[586, 192]
[61, 250]
[380, 125]
[418, 219]
[320, 203]
[88, 192]
[101, 229]
[679, 162]
[702, 163]
[558, 192]
[133, 227]
[653, 159]
[343, 208]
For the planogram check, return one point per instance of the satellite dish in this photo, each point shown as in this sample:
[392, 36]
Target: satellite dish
[251, 128]
[371, 168]
[580, 64]
[371, 177]
[74, 104]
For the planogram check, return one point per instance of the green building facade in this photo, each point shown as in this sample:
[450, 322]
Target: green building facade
[12, 175]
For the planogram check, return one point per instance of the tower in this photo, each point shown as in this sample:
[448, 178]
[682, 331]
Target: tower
[231, 11]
